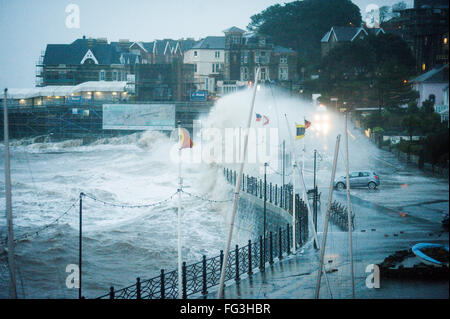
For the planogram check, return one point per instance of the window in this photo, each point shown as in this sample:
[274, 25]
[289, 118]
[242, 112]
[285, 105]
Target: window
[262, 41]
[206, 83]
[217, 54]
[354, 175]
[283, 76]
[213, 68]
[114, 75]
[195, 67]
[283, 59]
[102, 75]
[244, 73]
[235, 39]
[263, 74]
[195, 54]
[244, 57]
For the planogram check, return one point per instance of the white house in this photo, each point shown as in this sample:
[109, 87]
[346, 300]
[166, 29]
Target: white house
[442, 109]
[431, 85]
[208, 56]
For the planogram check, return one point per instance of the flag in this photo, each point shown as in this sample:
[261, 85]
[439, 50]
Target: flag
[266, 120]
[186, 141]
[307, 123]
[258, 117]
[300, 133]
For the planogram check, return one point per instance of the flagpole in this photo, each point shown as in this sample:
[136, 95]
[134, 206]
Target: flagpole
[180, 187]
[294, 246]
[236, 191]
[327, 217]
[12, 264]
[305, 198]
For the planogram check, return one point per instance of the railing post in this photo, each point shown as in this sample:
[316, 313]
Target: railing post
[183, 274]
[271, 248]
[204, 286]
[221, 258]
[163, 290]
[276, 195]
[288, 239]
[281, 196]
[260, 189]
[250, 271]
[237, 263]
[138, 288]
[270, 195]
[111, 293]
[261, 255]
[280, 243]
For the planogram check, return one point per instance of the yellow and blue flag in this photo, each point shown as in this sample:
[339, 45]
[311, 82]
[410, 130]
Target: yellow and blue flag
[300, 133]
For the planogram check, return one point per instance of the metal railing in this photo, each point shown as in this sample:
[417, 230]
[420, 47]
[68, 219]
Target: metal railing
[339, 216]
[198, 277]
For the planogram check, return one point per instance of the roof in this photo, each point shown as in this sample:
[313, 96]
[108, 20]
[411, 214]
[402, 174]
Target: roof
[211, 43]
[435, 75]
[233, 30]
[66, 90]
[280, 49]
[343, 34]
[73, 53]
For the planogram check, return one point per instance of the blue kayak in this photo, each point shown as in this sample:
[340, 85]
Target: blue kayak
[418, 251]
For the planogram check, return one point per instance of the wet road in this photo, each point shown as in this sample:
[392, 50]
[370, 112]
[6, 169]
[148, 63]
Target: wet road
[405, 210]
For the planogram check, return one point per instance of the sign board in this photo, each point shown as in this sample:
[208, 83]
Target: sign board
[199, 95]
[156, 117]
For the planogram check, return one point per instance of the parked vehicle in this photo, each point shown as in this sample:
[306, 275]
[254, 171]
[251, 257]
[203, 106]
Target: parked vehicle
[358, 179]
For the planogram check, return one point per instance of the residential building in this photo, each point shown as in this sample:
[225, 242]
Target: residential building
[426, 31]
[442, 109]
[431, 84]
[208, 58]
[89, 59]
[338, 35]
[245, 52]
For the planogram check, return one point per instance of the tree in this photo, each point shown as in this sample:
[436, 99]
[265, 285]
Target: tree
[370, 72]
[301, 24]
[385, 13]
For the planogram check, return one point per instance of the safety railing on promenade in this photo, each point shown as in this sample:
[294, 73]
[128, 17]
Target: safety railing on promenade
[198, 277]
[339, 216]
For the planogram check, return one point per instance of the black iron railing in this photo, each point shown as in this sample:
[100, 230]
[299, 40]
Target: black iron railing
[339, 216]
[198, 277]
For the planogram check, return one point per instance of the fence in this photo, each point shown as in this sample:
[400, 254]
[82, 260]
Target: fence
[198, 277]
[339, 216]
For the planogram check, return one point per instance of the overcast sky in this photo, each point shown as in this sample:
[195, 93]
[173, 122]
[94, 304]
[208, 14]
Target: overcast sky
[27, 26]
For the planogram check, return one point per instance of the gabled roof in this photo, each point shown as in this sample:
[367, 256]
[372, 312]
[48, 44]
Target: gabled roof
[375, 31]
[211, 43]
[435, 75]
[233, 30]
[343, 34]
[73, 53]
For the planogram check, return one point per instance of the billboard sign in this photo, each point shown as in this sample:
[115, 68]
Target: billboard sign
[199, 95]
[156, 117]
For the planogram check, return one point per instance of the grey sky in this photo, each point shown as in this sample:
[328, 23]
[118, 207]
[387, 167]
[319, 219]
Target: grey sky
[27, 26]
